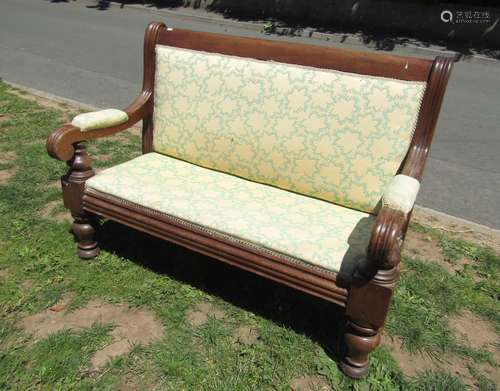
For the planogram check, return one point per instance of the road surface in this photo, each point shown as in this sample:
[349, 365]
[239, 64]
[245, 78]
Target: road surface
[95, 57]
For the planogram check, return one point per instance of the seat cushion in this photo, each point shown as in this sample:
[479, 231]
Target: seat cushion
[332, 135]
[311, 231]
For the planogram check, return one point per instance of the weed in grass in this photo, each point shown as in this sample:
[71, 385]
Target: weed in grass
[416, 227]
[438, 381]
[454, 249]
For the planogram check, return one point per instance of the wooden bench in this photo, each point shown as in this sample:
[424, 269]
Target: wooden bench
[298, 163]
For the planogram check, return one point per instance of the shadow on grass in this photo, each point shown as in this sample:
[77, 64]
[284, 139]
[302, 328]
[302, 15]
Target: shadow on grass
[321, 321]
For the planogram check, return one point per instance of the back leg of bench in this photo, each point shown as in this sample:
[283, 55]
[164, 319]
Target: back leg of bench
[73, 185]
[84, 228]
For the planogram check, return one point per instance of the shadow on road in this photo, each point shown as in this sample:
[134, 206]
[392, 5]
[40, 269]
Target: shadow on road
[386, 40]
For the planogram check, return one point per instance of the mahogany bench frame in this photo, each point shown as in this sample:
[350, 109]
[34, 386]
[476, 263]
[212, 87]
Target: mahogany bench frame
[365, 302]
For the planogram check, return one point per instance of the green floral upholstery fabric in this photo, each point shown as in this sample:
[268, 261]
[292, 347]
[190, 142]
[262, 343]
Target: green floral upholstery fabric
[306, 229]
[332, 135]
[99, 119]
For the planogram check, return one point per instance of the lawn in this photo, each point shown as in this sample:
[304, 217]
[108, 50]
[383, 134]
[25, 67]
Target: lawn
[173, 319]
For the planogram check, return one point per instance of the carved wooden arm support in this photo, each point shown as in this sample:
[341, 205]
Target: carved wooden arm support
[384, 249]
[60, 143]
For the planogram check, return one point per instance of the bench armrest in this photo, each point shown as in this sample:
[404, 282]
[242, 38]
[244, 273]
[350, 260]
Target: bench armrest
[384, 249]
[401, 193]
[96, 125]
[99, 119]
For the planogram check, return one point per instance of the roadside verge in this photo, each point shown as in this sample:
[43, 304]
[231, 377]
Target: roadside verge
[450, 225]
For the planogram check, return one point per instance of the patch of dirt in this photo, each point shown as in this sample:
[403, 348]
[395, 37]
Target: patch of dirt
[310, 383]
[134, 130]
[132, 383]
[5, 175]
[28, 284]
[458, 228]
[68, 111]
[53, 185]
[132, 326]
[419, 244]
[47, 212]
[202, 312]
[103, 157]
[245, 335]
[7, 157]
[68, 115]
[492, 373]
[412, 364]
[44, 102]
[479, 332]
[4, 118]
[4, 273]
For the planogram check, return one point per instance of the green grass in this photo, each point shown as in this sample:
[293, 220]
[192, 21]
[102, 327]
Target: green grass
[438, 381]
[39, 265]
[56, 361]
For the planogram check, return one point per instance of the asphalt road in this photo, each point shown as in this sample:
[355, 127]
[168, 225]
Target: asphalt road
[95, 57]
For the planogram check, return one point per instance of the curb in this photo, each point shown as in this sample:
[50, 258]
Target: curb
[60, 100]
[52, 97]
[420, 213]
[311, 33]
[457, 227]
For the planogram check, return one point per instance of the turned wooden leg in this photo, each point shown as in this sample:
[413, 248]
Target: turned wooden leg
[73, 184]
[367, 306]
[359, 342]
[84, 229]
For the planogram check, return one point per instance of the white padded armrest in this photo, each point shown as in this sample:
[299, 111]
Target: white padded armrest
[401, 193]
[99, 119]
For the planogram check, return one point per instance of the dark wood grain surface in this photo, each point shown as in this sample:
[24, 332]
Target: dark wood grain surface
[366, 296]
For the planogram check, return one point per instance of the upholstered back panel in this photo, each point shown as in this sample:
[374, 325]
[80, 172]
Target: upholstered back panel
[332, 135]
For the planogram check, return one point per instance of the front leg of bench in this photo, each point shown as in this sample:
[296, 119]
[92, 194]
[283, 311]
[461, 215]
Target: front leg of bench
[68, 144]
[73, 185]
[367, 308]
[369, 299]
